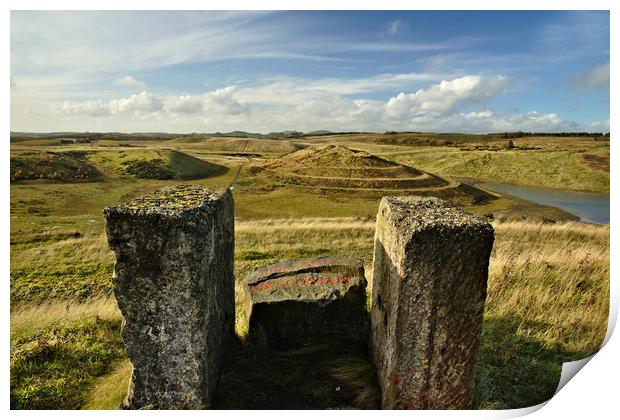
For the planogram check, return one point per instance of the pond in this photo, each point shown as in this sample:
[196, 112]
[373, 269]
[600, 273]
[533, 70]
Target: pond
[592, 208]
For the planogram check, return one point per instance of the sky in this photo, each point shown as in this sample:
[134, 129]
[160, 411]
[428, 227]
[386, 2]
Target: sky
[208, 71]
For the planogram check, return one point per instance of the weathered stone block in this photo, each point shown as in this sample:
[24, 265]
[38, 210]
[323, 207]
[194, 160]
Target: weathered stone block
[174, 284]
[430, 274]
[295, 301]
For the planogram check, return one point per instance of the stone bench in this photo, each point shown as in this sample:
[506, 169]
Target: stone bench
[293, 302]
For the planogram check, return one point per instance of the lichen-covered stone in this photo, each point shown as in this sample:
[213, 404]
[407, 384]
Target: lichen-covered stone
[295, 301]
[430, 274]
[174, 284]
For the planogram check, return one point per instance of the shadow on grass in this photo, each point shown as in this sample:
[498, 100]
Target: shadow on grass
[514, 369]
[328, 372]
[57, 369]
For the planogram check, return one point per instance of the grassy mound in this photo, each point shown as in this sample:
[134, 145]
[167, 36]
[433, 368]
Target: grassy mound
[62, 166]
[239, 145]
[342, 168]
[154, 164]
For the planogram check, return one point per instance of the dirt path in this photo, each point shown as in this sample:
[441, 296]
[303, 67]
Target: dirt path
[232, 182]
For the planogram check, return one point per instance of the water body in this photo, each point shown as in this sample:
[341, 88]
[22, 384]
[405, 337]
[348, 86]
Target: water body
[593, 208]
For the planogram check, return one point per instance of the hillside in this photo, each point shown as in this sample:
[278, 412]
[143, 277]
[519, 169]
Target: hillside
[93, 165]
[153, 164]
[61, 166]
[239, 145]
[555, 165]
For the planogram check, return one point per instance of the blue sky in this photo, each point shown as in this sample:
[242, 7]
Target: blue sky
[470, 71]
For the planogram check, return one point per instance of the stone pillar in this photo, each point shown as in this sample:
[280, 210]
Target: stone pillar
[174, 284]
[430, 274]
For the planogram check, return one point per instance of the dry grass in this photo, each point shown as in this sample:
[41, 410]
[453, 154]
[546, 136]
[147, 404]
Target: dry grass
[108, 390]
[556, 275]
[30, 317]
[310, 223]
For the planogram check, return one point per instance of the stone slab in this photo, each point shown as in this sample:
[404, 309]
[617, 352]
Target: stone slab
[295, 301]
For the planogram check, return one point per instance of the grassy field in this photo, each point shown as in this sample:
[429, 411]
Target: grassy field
[564, 169]
[580, 164]
[548, 282]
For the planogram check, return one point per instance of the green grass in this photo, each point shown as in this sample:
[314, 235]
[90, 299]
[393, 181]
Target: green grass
[53, 367]
[563, 169]
[108, 392]
[548, 283]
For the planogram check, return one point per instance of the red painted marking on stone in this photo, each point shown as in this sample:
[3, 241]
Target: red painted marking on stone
[396, 379]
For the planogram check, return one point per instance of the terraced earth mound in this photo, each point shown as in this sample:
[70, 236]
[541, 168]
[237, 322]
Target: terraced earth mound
[338, 169]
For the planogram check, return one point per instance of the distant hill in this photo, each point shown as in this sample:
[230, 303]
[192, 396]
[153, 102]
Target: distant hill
[17, 136]
[388, 137]
[239, 145]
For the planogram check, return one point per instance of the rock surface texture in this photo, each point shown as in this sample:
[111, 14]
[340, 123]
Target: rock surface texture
[430, 274]
[174, 284]
[295, 301]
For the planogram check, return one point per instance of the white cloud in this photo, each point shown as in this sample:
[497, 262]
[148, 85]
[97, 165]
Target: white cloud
[597, 78]
[488, 121]
[306, 106]
[292, 91]
[129, 81]
[220, 101]
[395, 26]
[599, 127]
[141, 103]
[445, 96]
[91, 108]
[184, 104]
